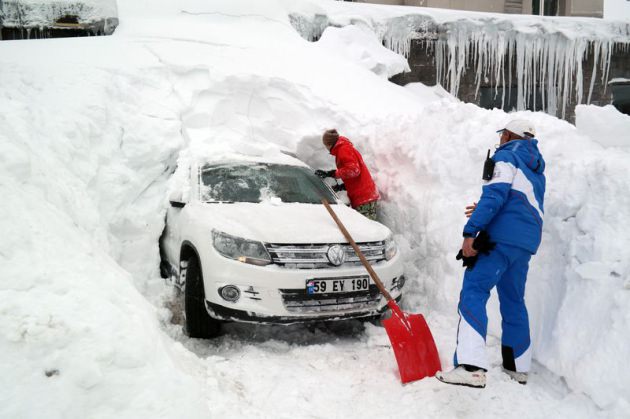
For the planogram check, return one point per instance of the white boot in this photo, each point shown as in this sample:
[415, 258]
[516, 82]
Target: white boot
[521, 377]
[461, 377]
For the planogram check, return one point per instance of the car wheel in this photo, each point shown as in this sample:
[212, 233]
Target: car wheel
[198, 323]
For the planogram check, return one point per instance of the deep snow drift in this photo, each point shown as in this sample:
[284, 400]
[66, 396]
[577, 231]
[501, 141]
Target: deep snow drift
[91, 130]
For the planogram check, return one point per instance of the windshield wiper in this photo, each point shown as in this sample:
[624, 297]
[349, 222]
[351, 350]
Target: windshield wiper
[219, 202]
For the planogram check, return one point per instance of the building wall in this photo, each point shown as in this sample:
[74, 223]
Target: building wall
[423, 69]
[471, 5]
[494, 6]
[591, 8]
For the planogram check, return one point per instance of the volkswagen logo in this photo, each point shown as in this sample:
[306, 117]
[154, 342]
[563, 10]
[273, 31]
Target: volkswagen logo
[336, 255]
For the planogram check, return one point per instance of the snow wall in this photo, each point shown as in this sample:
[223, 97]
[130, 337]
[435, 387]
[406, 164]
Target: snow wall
[84, 172]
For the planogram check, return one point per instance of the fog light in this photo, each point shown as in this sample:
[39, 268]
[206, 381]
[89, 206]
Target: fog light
[401, 282]
[230, 293]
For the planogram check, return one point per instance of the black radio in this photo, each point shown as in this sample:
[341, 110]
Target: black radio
[488, 168]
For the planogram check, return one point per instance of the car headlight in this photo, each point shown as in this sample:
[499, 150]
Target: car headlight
[246, 251]
[390, 248]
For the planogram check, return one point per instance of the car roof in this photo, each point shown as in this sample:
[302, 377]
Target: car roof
[275, 158]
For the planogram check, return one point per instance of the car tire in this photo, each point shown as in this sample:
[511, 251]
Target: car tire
[198, 323]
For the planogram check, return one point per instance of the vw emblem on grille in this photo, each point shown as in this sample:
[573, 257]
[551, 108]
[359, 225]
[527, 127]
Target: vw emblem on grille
[336, 255]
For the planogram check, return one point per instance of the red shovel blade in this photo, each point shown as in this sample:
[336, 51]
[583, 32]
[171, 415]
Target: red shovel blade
[413, 344]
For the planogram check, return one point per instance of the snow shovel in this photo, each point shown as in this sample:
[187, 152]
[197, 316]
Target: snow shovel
[409, 334]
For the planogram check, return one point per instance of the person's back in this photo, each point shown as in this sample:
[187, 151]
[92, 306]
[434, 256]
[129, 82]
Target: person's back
[514, 198]
[351, 168]
[502, 233]
[354, 173]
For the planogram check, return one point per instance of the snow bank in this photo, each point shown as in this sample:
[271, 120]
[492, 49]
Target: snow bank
[577, 292]
[83, 169]
[362, 46]
[605, 125]
[92, 129]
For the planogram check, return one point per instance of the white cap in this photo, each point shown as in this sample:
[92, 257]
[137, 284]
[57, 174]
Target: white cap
[520, 127]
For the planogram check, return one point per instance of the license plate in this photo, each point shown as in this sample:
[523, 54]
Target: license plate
[331, 286]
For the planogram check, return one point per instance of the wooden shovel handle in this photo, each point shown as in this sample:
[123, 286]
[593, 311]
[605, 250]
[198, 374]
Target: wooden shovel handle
[365, 262]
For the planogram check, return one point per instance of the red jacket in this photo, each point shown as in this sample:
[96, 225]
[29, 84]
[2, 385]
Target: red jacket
[354, 173]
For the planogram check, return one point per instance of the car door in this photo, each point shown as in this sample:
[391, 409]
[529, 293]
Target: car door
[172, 238]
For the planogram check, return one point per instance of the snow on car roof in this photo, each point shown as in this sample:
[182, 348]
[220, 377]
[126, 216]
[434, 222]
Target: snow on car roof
[236, 158]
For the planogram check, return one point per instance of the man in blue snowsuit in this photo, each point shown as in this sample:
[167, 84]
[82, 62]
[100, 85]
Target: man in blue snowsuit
[510, 210]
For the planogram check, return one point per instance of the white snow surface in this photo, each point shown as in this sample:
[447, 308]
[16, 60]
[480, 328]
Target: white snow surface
[604, 124]
[361, 45]
[273, 221]
[91, 130]
[617, 10]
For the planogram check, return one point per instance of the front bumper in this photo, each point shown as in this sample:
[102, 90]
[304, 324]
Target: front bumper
[228, 314]
[273, 294]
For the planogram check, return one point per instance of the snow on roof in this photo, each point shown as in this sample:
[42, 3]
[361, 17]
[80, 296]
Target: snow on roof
[35, 13]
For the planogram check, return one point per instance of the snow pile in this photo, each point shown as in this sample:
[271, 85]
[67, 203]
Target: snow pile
[605, 125]
[83, 169]
[578, 283]
[362, 46]
[86, 153]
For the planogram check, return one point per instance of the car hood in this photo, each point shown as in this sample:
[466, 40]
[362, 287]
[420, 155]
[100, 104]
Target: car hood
[287, 222]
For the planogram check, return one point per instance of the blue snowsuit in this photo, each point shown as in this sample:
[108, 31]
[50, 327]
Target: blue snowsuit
[511, 211]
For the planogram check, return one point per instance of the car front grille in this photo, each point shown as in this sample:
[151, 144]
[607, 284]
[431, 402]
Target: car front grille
[299, 301]
[314, 256]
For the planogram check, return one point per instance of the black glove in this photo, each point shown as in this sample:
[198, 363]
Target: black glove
[481, 244]
[325, 173]
[467, 262]
[339, 187]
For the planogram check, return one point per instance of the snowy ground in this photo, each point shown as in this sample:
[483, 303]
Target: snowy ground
[91, 130]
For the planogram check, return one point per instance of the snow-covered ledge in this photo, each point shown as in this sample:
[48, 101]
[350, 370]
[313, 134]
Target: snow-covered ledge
[547, 52]
[96, 16]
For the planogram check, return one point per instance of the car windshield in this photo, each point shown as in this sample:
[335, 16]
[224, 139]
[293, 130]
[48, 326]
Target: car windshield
[257, 182]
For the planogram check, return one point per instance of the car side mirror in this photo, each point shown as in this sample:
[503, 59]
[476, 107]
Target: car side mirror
[176, 199]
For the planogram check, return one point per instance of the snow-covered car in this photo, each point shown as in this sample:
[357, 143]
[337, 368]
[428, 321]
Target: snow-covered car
[251, 241]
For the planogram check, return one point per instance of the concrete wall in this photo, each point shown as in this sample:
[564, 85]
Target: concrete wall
[494, 6]
[473, 5]
[591, 8]
[389, 2]
[422, 64]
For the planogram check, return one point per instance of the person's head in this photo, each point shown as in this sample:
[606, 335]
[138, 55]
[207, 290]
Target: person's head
[329, 138]
[517, 129]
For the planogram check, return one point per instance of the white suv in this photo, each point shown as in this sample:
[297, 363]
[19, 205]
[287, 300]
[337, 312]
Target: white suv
[250, 241]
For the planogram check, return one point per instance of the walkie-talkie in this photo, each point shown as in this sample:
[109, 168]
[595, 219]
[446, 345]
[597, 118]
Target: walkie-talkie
[488, 168]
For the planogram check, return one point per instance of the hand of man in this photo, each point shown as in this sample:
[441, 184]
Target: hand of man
[339, 187]
[325, 173]
[467, 247]
[470, 209]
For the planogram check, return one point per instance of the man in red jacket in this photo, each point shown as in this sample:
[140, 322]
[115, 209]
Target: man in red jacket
[354, 173]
